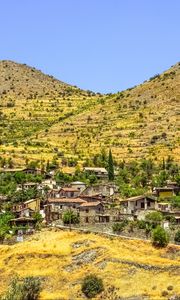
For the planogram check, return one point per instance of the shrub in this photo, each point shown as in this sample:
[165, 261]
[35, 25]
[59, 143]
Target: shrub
[171, 219]
[164, 293]
[154, 218]
[170, 287]
[175, 201]
[31, 288]
[23, 289]
[154, 77]
[92, 285]
[10, 104]
[160, 238]
[70, 217]
[177, 237]
[141, 224]
[118, 227]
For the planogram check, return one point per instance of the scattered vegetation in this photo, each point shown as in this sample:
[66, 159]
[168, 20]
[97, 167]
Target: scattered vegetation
[40, 113]
[54, 256]
[92, 285]
[118, 227]
[27, 288]
[160, 237]
[177, 237]
[69, 217]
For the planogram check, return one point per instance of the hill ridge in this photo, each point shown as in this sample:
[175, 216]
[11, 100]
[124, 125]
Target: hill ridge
[39, 116]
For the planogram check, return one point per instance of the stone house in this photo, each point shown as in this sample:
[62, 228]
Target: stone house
[163, 206]
[166, 192]
[101, 173]
[93, 198]
[53, 193]
[78, 185]
[92, 213]
[167, 210]
[55, 208]
[106, 190]
[50, 183]
[137, 206]
[23, 222]
[61, 204]
[28, 185]
[32, 204]
[69, 192]
[25, 212]
[65, 192]
[33, 171]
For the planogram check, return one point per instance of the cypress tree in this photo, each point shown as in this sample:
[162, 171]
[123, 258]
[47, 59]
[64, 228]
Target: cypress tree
[163, 164]
[110, 166]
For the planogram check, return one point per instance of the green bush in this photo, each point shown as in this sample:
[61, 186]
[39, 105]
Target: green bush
[177, 237]
[154, 218]
[23, 289]
[141, 224]
[118, 227]
[92, 285]
[171, 219]
[70, 217]
[160, 237]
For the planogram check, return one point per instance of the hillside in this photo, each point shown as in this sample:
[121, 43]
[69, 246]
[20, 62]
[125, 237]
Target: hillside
[41, 115]
[23, 82]
[129, 269]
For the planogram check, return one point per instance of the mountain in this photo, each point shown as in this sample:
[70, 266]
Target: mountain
[24, 82]
[41, 116]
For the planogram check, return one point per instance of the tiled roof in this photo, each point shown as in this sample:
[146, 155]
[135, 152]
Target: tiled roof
[165, 188]
[69, 189]
[90, 204]
[78, 182]
[30, 183]
[66, 200]
[136, 198]
[95, 169]
[133, 198]
[31, 200]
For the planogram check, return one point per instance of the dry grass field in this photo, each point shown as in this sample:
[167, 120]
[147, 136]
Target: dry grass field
[62, 259]
[40, 115]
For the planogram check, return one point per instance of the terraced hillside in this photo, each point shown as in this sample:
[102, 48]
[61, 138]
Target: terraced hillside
[41, 115]
[129, 269]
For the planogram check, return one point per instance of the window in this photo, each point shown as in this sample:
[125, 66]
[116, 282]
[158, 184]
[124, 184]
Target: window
[142, 204]
[87, 220]
[61, 206]
[148, 203]
[87, 210]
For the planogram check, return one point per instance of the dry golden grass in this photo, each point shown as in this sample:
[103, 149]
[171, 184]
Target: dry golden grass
[49, 253]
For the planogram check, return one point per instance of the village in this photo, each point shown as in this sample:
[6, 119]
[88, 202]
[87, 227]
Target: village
[92, 207]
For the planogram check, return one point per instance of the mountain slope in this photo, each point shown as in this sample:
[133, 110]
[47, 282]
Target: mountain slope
[138, 122]
[40, 114]
[24, 82]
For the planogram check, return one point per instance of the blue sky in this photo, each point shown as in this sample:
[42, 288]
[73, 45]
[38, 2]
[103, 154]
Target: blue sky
[100, 45]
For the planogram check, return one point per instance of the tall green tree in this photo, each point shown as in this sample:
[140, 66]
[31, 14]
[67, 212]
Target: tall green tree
[110, 166]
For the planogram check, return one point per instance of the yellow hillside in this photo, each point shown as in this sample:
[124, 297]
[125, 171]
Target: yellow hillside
[41, 117]
[62, 259]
